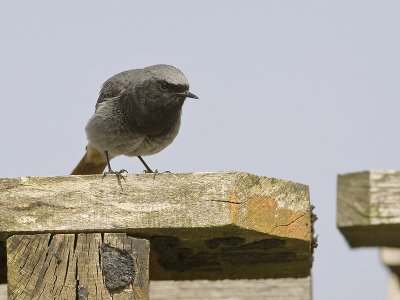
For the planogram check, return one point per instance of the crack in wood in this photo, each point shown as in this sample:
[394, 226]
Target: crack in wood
[291, 222]
[27, 277]
[225, 201]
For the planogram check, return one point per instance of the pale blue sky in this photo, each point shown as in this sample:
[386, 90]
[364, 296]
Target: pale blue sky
[299, 90]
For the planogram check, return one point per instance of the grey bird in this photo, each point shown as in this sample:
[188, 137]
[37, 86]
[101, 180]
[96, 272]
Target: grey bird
[138, 113]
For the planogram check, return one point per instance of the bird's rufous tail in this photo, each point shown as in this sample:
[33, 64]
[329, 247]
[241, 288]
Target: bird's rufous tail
[93, 162]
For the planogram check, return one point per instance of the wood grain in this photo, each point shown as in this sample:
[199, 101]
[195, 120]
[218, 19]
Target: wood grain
[68, 266]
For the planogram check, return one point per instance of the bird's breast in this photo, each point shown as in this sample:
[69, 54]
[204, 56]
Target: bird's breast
[152, 144]
[154, 123]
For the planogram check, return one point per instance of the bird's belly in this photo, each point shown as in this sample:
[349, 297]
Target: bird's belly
[118, 144]
[152, 145]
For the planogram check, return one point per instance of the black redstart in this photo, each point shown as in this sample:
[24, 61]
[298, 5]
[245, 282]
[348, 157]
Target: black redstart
[138, 113]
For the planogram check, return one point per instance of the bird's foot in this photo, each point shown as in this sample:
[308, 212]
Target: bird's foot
[118, 174]
[150, 171]
[155, 172]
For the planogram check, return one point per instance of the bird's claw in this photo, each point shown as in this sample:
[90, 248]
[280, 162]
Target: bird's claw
[118, 174]
[155, 172]
[150, 171]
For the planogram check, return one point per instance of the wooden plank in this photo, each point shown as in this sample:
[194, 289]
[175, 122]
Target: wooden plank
[201, 225]
[88, 274]
[287, 288]
[368, 208]
[282, 289]
[139, 250]
[66, 266]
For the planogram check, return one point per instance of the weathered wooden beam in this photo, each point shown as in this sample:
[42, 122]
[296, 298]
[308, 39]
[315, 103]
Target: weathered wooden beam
[283, 289]
[368, 208]
[83, 266]
[201, 226]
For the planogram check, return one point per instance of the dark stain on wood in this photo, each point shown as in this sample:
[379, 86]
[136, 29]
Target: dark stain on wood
[82, 293]
[173, 256]
[230, 241]
[118, 266]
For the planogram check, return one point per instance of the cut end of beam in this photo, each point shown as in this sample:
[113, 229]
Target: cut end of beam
[368, 208]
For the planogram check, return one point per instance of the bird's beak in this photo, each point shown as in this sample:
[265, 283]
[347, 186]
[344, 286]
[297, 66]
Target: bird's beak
[191, 95]
[188, 95]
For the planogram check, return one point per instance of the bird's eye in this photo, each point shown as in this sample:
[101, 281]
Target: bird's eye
[164, 86]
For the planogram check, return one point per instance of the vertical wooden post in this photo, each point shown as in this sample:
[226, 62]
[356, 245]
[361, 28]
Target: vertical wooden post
[368, 215]
[82, 266]
[391, 258]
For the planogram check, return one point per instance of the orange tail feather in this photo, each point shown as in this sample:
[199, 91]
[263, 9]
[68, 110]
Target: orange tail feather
[93, 162]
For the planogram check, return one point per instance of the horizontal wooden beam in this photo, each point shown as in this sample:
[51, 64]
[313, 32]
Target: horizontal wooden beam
[368, 208]
[200, 225]
[283, 289]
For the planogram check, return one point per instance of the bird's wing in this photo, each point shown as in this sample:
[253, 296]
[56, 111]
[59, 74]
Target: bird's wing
[115, 86]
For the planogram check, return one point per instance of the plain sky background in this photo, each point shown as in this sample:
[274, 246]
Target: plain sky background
[298, 90]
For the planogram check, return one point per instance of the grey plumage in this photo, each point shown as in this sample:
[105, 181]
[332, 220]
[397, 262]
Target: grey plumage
[138, 112]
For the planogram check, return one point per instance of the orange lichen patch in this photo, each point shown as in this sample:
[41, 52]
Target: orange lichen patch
[261, 213]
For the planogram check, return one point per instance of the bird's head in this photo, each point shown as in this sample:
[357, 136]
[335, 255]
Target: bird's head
[166, 84]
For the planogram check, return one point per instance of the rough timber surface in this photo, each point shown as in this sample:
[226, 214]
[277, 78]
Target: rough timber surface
[368, 208]
[68, 266]
[227, 225]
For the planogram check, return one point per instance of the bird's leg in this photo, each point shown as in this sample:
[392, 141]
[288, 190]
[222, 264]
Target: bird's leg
[118, 174]
[148, 170]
